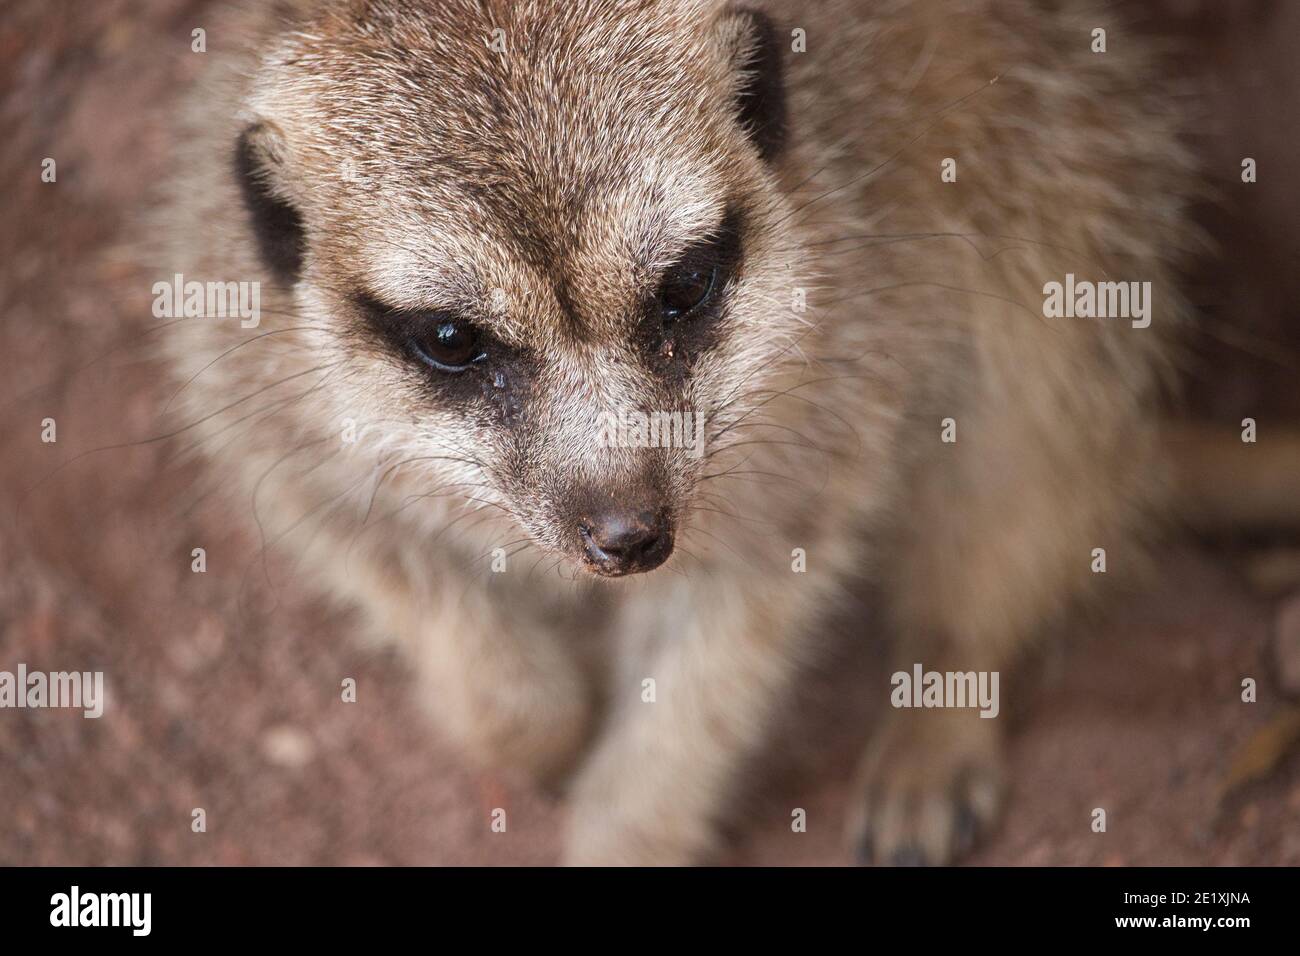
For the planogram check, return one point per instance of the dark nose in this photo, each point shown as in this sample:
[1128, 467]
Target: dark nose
[627, 541]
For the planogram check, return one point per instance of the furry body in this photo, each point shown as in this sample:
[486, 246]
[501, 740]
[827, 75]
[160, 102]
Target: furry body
[541, 188]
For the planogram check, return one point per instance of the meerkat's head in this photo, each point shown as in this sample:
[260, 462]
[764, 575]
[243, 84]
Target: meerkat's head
[543, 236]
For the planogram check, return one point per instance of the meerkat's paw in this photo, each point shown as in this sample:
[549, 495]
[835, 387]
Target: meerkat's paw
[929, 787]
[597, 838]
[510, 714]
[617, 819]
[532, 727]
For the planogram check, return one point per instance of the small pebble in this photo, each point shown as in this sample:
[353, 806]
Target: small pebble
[287, 746]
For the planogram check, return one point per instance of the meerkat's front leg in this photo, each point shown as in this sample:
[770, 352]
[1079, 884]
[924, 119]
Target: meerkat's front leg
[998, 537]
[722, 660]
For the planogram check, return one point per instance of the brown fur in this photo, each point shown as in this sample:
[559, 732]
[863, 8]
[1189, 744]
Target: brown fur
[542, 191]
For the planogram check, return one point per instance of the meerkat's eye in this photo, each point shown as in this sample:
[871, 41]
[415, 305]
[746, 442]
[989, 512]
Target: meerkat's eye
[689, 289]
[448, 344]
[441, 340]
[686, 288]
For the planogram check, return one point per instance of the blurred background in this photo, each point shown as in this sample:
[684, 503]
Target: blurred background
[223, 691]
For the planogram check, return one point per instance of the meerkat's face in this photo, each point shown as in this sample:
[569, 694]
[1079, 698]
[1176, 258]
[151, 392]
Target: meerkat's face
[544, 239]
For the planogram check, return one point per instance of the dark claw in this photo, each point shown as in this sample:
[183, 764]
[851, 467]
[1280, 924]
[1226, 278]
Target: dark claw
[909, 855]
[965, 829]
[866, 852]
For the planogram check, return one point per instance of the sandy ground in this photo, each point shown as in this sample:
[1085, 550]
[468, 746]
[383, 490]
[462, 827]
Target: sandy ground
[224, 687]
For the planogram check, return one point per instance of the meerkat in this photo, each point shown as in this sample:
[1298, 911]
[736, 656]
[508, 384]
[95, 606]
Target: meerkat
[483, 231]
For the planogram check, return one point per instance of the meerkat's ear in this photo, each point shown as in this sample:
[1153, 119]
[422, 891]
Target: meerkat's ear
[757, 56]
[277, 224]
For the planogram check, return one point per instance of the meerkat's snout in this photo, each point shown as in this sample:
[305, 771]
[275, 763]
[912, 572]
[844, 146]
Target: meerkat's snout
[616, 527]
[626, 540]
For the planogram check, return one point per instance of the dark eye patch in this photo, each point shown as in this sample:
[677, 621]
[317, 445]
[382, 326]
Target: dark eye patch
[440, 339]
[681, 317]
[702, 272]
[462, 363]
